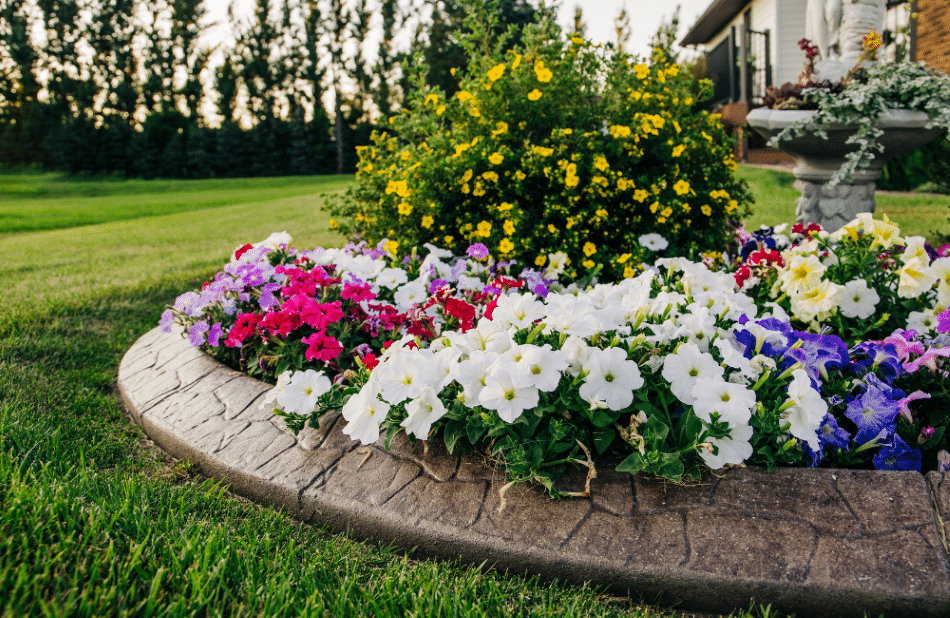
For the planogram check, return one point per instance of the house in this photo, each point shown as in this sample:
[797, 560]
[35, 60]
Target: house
[748, 45]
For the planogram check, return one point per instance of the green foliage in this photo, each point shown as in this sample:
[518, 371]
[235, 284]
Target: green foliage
[554, 145]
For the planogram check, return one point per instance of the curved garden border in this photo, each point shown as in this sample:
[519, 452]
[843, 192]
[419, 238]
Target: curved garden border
[812, 542]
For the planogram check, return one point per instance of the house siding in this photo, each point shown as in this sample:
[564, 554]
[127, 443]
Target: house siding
[788, 59]
[933, 33]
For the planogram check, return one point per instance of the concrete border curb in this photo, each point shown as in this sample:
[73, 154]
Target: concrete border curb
[809, 542]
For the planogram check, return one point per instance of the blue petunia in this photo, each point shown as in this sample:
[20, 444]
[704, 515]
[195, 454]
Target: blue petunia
[895, 454]
[873, 412]
[831, 435]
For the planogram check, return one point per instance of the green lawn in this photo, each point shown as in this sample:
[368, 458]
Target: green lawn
[94, 522]
[924, 214]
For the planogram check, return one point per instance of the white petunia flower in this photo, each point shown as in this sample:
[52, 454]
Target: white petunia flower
[365, 413]
[688, 364]
[732, 402]
[422, 412]
[542, 366]
[915, 278]
[507, 394]
[271, 397]
[404, 376]
[519, 310]
[391, 278]
[472, 373]
[805, 409]
[410, 294]
[732, 450]
[654, 242]
[572, 315]
[857, 300]
[924, 322]
[611, 378]
[303, 389]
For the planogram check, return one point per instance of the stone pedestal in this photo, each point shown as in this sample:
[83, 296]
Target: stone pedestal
[818, 159]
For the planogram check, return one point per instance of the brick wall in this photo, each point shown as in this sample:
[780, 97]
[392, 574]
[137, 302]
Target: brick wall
[933, 33]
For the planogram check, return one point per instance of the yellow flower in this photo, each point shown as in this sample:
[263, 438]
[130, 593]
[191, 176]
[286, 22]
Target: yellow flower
[506, 246]
[589, 249]
[333, 224]
[491, 176]
[520, 175]
[707, 210]
[496, 72]
[516, 62]
[623, 258]
[464, 95]
[629, 271]
[619, 131]
[448, 240]
[460, 149]
[427, 221]
[502, 127]
[681, 187]
[484, 229]
[439, 110]
[552, 228]
[404, 208]
[641, 195]
[601, 163]
[544, 74]
[398, 187]
[642, 71]
[576, 40]
[467, 176]
[495, 158]
[509, 227]
[544, 152]
[505, 206]
[392, 246]
[601, 213]
[432, 99]
[588, 264]
[678, 150]
[534, 95]
[540, 260]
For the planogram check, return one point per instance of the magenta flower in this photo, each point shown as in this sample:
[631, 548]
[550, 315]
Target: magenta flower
[928, 359]
[943, 321]
[477, 251]
[322, 347]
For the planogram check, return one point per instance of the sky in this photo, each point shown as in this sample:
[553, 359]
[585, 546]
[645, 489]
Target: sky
[645, 17]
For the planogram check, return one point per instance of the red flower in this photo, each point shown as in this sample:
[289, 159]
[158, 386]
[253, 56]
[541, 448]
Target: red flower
[321, 347]
[241, 251]
[357, 292]
[461, 310]
[370, 361]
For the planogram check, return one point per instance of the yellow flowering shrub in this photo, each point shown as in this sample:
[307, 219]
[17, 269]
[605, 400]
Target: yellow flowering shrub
[557, 145]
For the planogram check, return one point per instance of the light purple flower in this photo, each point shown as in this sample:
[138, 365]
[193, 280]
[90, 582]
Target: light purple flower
[197, 332]
[268, 300]
[436, 284]
[477, 251]
[168, 318]
[214, 334]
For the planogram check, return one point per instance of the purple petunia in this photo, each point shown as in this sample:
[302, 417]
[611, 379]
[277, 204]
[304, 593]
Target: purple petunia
[168, 318]
[214, 335]
[477, 251]
[895, 454]
[873, 412]
[831, 435]
[436, 285]
[197, 332]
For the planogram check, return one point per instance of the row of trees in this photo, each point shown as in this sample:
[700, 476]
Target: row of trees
[132, 87]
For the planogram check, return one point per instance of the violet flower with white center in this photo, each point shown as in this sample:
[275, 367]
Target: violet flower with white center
[196, 334]
[895, 454]
[831, 435]
[872, 411]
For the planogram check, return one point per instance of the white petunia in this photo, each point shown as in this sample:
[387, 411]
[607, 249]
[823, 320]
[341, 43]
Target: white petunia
[519, 310]
[403, 376]
[391, 278]
[654, 242]
[410, 294]
[914, 278]
[698, 326]
[732, 402]
[471, 374]
[302, 391]
[804, 410]
[542, 366]
[572, 315]
[422, 412]
[688, 364]
[857, 300]
[611, 378]
[364, 413]
[924, 322]
[507, 394]
[270, 398]
[732, 450]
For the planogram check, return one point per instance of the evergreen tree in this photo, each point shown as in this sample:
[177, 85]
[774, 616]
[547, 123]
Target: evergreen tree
[23, 120]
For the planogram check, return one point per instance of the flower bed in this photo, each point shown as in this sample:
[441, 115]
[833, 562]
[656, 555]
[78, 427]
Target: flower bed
[780, 356]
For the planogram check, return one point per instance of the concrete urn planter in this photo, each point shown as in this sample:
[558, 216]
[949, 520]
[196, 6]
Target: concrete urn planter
[817, 160]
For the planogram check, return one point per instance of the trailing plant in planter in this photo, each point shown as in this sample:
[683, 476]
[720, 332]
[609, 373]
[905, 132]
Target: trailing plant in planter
[862, 99]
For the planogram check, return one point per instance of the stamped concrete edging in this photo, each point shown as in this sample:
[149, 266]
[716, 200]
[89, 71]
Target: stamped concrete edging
[812, 542]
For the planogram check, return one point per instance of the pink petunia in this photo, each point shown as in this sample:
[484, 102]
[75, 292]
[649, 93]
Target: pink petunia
[322, 347]
[928, 359]
[905, 347]
[904, 409]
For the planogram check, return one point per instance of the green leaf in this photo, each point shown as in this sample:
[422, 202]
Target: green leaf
[632, 464]
[474, 430]
[650, 409]
[454, 431]
[603, 438]
[601, 419]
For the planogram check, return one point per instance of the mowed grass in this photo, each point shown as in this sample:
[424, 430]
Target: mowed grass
[94, 522]
[917, 214]
[50, 201]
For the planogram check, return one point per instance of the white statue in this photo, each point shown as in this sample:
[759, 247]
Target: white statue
[838, 28]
